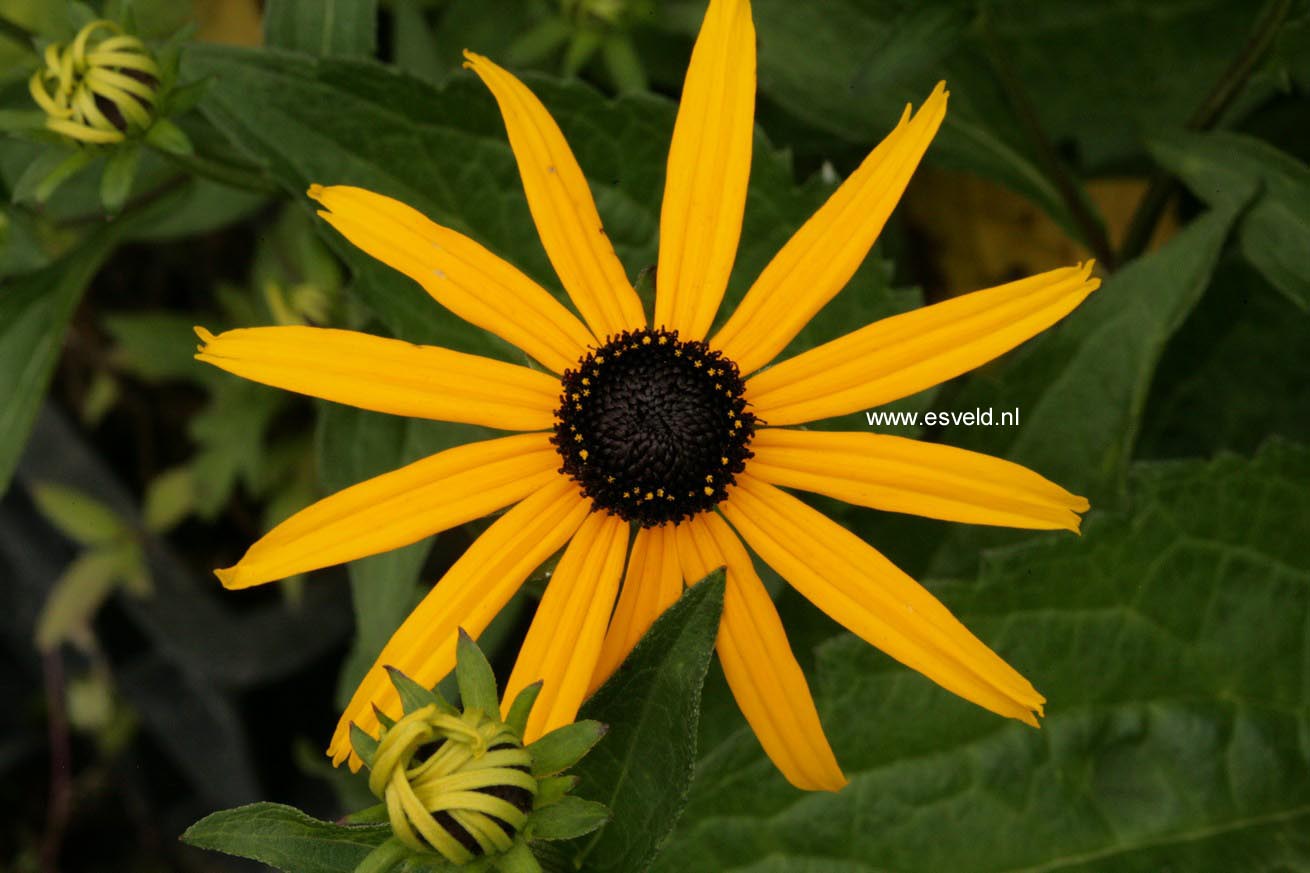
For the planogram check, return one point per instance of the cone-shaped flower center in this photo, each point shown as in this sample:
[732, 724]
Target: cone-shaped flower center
[653, 428]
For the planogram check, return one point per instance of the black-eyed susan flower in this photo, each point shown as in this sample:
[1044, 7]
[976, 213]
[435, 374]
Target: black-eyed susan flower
[650, 450]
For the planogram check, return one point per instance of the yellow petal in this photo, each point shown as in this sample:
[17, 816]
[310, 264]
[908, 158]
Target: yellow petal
[477, 587]
[400, 507]
[562, 208]
[387, 375]
[821, 257]
[904, 475]
[761, 670]
[866, 593]
[906, 353]
[566, 634]
[459, 274]
[652, 583]
[708, 170]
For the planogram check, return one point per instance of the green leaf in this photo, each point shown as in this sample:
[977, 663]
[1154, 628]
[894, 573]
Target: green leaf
[1224, 169]
[477, 684]
[48, 172]
[365, 746]
[1235, 373]
[168, 137]
[848, 68]
[169, 498]
[652, 706]
[1171, 646]
[120, 172]
[156, 345]
[345, 28]
[521, 708]
[286, 838]
[34, 310]
[76, 597]
[414, 696]
[565, 746]
[567, 819]
[79, 517]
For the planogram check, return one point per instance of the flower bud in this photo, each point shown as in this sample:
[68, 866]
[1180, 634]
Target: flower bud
[99, 87]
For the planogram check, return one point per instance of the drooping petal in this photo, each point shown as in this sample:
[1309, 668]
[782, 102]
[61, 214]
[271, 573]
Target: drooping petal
[562, 207]
[387, 375]
[919, 478]
[459, 274]
[566, 634]
[761, 670]
[400, 507]
[818, 261]
[477, 587]
[898, 356]
[708, 171]
[866, 593]
[652, 583]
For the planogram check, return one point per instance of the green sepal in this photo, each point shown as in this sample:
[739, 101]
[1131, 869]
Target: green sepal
[387, 721]
[375, 814]
[477, 683]
[568, 818]
[168, 137]
[518, 858]
[521, 708]
[550, 789]
[365, 746]
[565, 746]
[384, 858]
[120, 172]
[414, 696]
[184, 98]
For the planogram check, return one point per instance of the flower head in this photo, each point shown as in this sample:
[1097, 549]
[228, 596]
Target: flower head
[99, 87]
[460, 783]
[653, 450]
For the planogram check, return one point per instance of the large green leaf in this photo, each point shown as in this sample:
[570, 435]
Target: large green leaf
[354, 445]
[444, 151]
[1234, 374]
[1094, 75]
[346, 28]
[285, 838]
[34, 311]
[643, 767]
[1225, 168]
[848, 68]
[1171, 644]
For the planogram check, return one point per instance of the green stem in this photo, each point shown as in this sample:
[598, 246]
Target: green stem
[1211, 111]
[222, 172]
[1091, 228]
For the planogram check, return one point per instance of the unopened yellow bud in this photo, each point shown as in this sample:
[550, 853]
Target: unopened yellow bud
[98, 87]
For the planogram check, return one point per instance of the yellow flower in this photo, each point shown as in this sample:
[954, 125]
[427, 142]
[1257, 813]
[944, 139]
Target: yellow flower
[652, 448]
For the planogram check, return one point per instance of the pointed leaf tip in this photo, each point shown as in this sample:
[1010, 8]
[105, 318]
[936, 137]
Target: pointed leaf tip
[477, 682]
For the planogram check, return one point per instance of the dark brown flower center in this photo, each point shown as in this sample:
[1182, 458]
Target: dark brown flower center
[653, 428]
